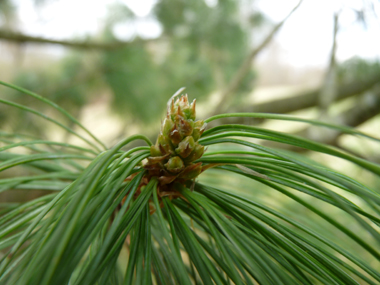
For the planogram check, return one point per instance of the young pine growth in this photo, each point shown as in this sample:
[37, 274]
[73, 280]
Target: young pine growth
[177, 147]
[94, 226]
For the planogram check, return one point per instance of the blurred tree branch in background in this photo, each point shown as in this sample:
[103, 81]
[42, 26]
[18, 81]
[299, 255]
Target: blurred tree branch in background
[366, 107]
[22, 39]
[303, 100]
[329, 88]
[246, 66]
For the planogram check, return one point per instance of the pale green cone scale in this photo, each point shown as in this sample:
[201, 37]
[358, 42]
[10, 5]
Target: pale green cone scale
[175, 165]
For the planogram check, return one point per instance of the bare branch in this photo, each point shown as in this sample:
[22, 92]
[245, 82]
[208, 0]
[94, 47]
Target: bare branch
[247, 64]
[304, 100]
[366, 107]
[22, 38]
[328, 91]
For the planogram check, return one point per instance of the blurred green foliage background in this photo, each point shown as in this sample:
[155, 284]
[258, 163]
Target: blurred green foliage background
[202, 45]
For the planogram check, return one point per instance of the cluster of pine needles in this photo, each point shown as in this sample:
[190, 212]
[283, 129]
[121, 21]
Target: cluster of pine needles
[142, 215]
